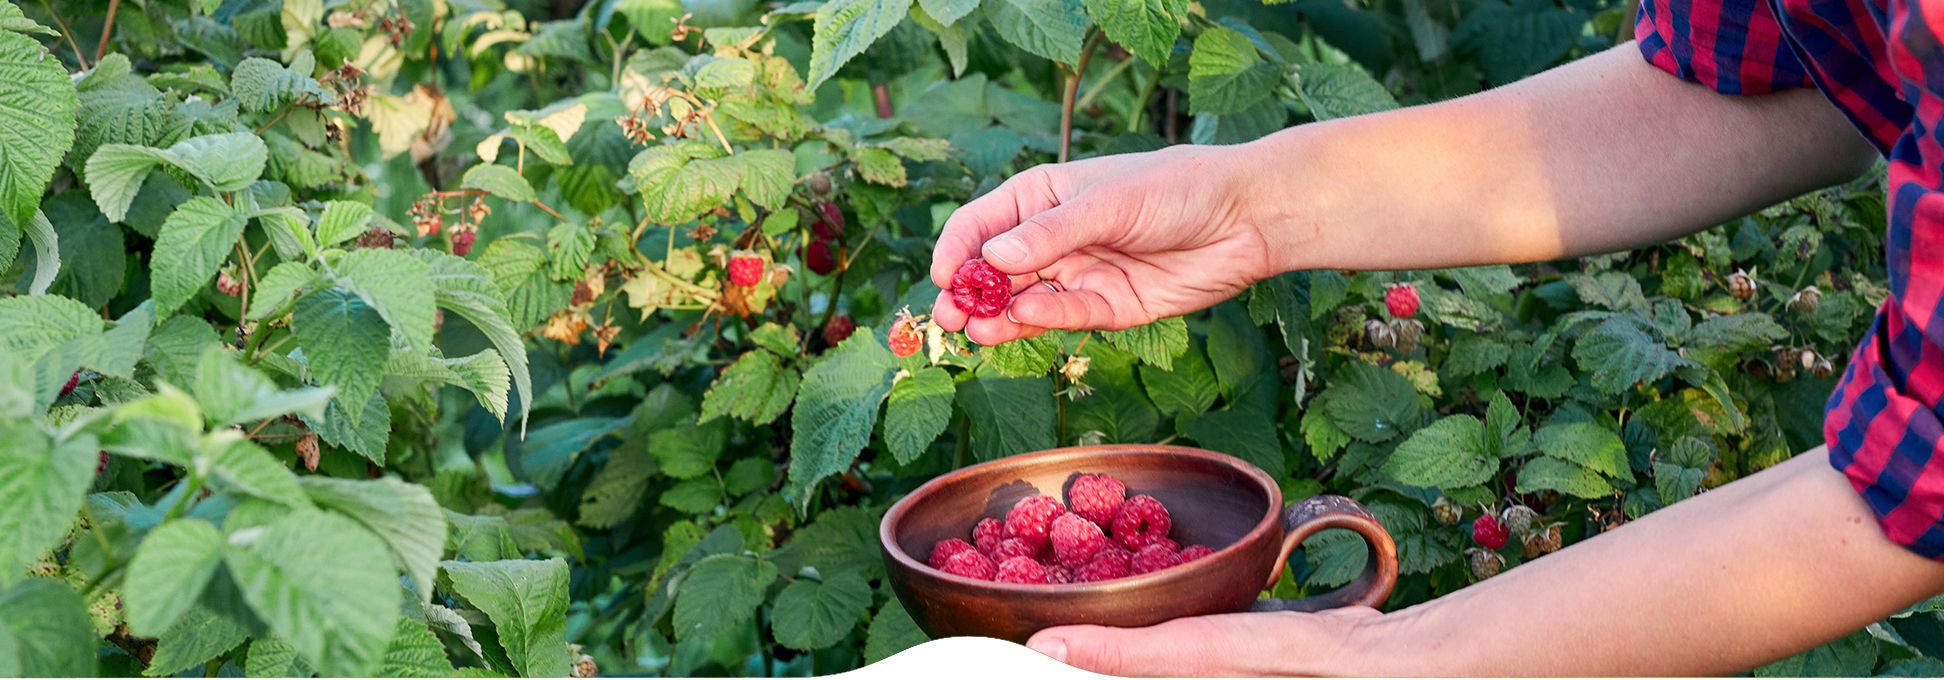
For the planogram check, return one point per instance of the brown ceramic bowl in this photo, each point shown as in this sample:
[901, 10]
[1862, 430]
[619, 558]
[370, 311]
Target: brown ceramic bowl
[1216, 500]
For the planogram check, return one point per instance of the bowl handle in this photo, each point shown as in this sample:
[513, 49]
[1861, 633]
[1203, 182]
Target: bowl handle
[1304, 518]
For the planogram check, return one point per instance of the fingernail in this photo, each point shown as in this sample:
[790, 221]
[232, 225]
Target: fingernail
[1006, 249]
[1053, 647]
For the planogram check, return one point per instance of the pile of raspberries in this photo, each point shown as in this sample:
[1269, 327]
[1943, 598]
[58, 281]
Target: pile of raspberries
[1099, 534]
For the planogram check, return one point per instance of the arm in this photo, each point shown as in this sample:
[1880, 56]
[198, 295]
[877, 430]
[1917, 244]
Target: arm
[1602, 154]
[1752, 572]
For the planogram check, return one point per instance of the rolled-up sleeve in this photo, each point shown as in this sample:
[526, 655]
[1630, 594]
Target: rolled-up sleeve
[1730, 46]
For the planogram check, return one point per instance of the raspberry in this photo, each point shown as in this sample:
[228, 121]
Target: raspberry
[1014, 547]
[970, 565]
[987, 534]
[462, 243]
[838, 329]
[1195, 552]
[1446, 512]
[1022, 570]
[227, 283]
[1096, 498]
[1741, 285]
[1487, 532]
[1057, 574]
[1032, 518]
[1155, 557]
[745, 270]
[905, 338]
[1167, 543]
[1075, 540]
[1518, 520]
[101, 462]
[819, 257]
[1485, 563]
[1542, 541]
[944, 550]
[73, 381]
[1402, 300]
[830, 222]
[1141, 520]
[1109, 564]
[981, 290]
[1806, 301]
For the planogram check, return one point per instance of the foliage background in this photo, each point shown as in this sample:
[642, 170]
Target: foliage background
[307, 431]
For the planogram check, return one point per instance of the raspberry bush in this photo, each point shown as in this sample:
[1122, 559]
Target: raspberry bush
[410, 337]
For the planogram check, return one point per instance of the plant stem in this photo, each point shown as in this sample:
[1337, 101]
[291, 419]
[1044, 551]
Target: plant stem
[243, 261]
[882, 93]
[1141, 102]
[1099, 86]
[1168, 124]
[1067, 97]
[65, 33]
[107, 29]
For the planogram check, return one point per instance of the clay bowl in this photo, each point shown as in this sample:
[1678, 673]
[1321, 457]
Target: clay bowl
[1216, 500]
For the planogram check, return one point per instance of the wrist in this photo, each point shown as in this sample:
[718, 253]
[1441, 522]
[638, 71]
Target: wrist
[1279, 195]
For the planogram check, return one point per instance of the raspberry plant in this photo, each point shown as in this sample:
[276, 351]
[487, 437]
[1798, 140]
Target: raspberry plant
[400, 337]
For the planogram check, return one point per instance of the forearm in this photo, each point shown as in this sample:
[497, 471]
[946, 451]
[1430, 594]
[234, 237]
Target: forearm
[1749, 573]
[1603, 154]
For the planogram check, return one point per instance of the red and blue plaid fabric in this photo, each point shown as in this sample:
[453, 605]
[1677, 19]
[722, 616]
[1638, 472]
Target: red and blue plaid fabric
[1880, 63]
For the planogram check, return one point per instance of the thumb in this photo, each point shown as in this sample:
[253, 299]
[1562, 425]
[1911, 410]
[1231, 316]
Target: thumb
[1049, 235]
[1168, 649]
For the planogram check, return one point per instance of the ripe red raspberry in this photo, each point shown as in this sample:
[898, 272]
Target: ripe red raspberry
[970, 565]
[819, 257]
[906, 337]
[1153, 558]
[1014, 547]
[1195, 552]
[1110, 564]
[1141, 520]
[1022, 570]
[462, 243]
[1057, 574]
[838, 329]
[830, 222]
[1487, 532]
[1402, 299]
[944, 550]
[73, 381]
[987, 534]
[1167, 543]
[1096, 497]
[981, 290]
[745, 270]
[1032, 518]
[1075, 540]
[101, 464]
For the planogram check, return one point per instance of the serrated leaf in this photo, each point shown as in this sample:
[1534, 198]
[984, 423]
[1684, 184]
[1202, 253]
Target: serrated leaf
[837, 406]
[1724, 338]
[767, 176]
[757, 388]
[880, 166]
[917, 411]
[1620, 355]
[1008, 415]
[262, 85]
[810, 615]
[720, 593]
[37, 108]
[342, 221]
[42, 485]
[1321, 433]
[500, 181]
[467, 289]
[1243, 434]
[696, 496]
[241, 465]
[1590, 445]
[414, 652]
[364, 435]
[1615, 291]
[1053, 29]
[527, 602]
[1448, 453]
[340, 334]
[1474, 354]
[46, 626]
[1371, 403]
[892, 630]
[689, 451]
[844, 29]
[201, 635]
[1553, 474]
[1340, 91]
[273, 658]
[169, 571]
[1226, 74]
[1156, 343]
[193, 244]
[1025, 357]
[1189, 389]
[405, 516]
[618, 489]
[231, 393]
[396, 284]
[1147, 28]
[322, 583]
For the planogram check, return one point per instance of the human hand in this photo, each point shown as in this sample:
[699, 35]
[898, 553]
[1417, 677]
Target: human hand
[1124, 240]
[1226, 645]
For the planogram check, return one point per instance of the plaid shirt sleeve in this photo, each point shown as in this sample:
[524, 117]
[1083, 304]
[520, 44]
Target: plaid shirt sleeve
[1731, 46]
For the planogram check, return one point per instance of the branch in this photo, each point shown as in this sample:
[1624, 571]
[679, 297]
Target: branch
[107, 29]
[1067, 97]
[65, 33]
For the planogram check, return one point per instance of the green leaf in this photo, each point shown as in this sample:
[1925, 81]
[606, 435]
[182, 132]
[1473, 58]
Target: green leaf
[277, 286]
[618, 490]
[1554, 474]
[844, 29]
[570, 244]
[340, 334]
[880, 166]
[836, 410]
[1449, 453]
[892, 630]
[1147, 28]
[842, 541]
[1157, 343]
[1053, 29]
[1723, 339]
[768, 175]
[500, 181]
[342, 221]
[396, 284]
[1188, 389]
[1474, 354]
[42, 486]
[169, 571]
[231, 393]
[527, 602]
[1615, 291]
[783, 340]
[273, 658]
[414, 652]
[467, 289]
[84, 238]
[1339, 91]
[695, 496]
[917, 411]
[1621, 355]
[948, 12]
[47, 253]
[1321, 433]
[194, 243]
[242, 465]
[1591, 445]
[46, 626]
[810, 615]
[37, 107]
[11, 19]
[1226, 74]
[1022, 358]
[757, 388]
[689, 451]
[1008, 416]
[1243, 434]
[365, 435]
[720, 593]
[201, 635]
[1371, 403]
[322, 583]
[261, 85]
[403, 515]
[555, 447]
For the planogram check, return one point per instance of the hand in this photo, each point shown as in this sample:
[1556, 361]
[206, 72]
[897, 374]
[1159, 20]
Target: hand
[1230, 645]
[1126, 240]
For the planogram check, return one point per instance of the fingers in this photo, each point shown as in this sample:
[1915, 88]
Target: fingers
[1071, 310]
[1279, 643]
[1019, 198]
[1043, 238]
